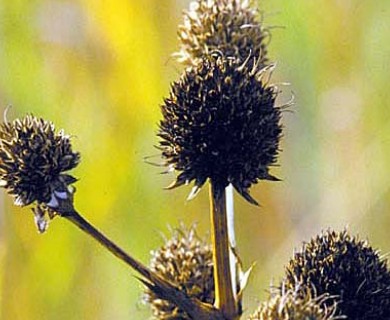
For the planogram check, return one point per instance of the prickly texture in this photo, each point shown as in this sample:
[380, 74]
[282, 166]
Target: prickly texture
[220, 122]
[186, 261]
[33, 157]
[345, 267]
[297, 304]
[231, 27]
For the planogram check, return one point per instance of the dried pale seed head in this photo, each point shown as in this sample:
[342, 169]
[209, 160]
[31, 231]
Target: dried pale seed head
[33, 159]
[186, 261]
[297, 304]
[231, 27]
[345, 267]
[220, 122]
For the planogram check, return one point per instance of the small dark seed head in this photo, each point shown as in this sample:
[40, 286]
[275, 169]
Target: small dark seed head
[227, 26]
[220, 122]
[347, 268]
[297, 304]
[33, 159]
[185, 261]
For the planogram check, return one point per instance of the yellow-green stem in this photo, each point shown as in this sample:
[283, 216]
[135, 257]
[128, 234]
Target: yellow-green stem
[224, 297]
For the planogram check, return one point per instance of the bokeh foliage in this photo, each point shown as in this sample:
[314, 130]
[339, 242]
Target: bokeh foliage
[99, 69]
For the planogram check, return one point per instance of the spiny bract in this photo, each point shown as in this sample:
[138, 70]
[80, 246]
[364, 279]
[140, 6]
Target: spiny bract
[186, 261]
[221, 122]
[231, 27]
[347, 268]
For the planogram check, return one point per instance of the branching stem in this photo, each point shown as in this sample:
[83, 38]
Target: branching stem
[194, 308]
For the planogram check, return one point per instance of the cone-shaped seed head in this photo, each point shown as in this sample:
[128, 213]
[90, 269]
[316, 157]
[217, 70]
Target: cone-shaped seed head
[221, 122]
[297, 304]
[231, 27]
[343, 266]
[185, 261]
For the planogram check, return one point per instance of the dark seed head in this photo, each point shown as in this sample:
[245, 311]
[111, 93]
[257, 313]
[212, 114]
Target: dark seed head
[231, 27]
[33, 159]
[186, 261]
[345, 267]
[221, 123]
[297, 304]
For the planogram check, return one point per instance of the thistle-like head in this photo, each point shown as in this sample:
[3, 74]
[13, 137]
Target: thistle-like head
[185, 260]
[231, 27]
[221, 122]
[33, 160]
[295, 304]
[348, 269]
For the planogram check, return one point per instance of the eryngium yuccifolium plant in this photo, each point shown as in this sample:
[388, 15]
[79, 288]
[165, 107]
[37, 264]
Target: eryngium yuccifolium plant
[33, 159]
[231, 27]
[297, 304]
[221, 122]
[343, 266]
[186, 261]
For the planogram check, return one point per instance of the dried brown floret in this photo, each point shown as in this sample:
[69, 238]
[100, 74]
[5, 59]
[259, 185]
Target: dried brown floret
[297, 304]
[186, 261]
[231, 27]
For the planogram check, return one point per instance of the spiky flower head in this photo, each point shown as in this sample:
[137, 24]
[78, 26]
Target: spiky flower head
[346, 267]
[297, 304]
[231, 27]
[220, 122]
[33, 159]
[186, 261]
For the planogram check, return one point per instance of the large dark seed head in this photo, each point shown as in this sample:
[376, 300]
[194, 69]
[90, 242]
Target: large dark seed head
[185, 260]
[220, 122]
[231, 27]
[33, 158]
[347, 268]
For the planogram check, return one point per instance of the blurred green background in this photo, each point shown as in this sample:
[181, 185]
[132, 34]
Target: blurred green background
[100, 69]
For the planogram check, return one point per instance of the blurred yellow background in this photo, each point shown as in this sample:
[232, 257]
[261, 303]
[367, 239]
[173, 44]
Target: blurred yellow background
[100, 69]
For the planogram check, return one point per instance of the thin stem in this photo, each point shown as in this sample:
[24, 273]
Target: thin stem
[84, 225]
[224, 297]
[194, 308]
